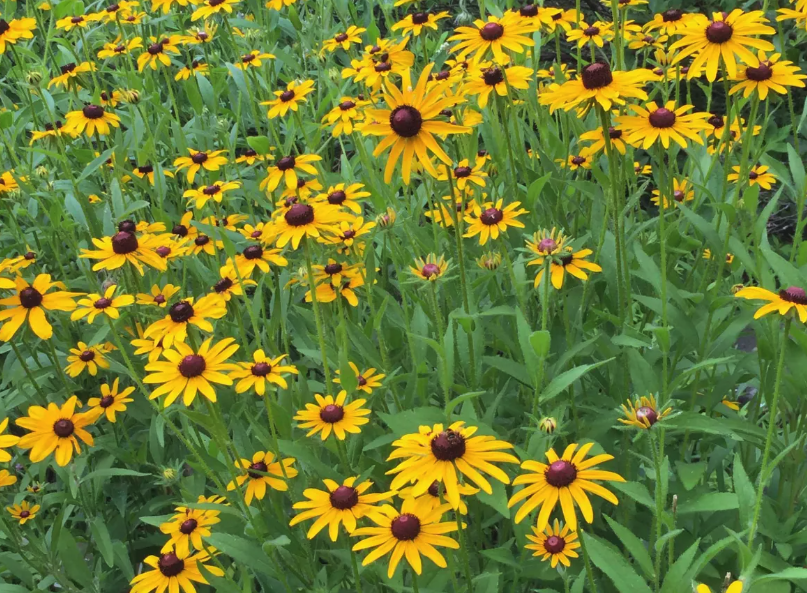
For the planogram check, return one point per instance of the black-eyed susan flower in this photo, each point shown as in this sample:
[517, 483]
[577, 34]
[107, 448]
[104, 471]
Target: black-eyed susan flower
[671, 21]
[111, 400]
[165, 5]
[157, 296]
[334, 271]
[86, 358]
[90, 119]
[653, 123]
[791, 298]
[200, 35]
[230, 284]
[758, 175]
[30, 303]
[463, 174]
[147, 172]
[195, 67]
[772, 74]
[557, 543]
[174, 326]
[331, 415]
[435, 453]
[208, 8]
[173, 571]
[305, 220]
[535, 16]
[262, 370]
[185, 372]
[431, 268]
[70, 72]
[286, 169]
[14, 30]
[735, 587]
[301, 193]
[8, 182]
[565, 479]
[159, 51]
[50, 131]
[683, 191]
[413, 531]
[640, 169]
[92, 305]
[563, 259]
[435, 495]
[344, 115]
[707, 254]
[23, 512]
[415, 23]
[328, 292]
[69, 23]
[278, 4]
[408, 126]
[207, 160]
[582, 160]
[215, 191]
[597, 33]
[345, 234]
[352, 35]
[118, 47]
[6, 441]
[154, 348]
[490, 219]
[289, 99]
[253, 59]
[643, 413]
[55, 428]
[366, 381]
[644, 40]
[255, 256]
[263, 471]
[347, 196]
[489, 261]
[486, 78]
[250, 156]
[597, 84]
[442, 214]
[342, 504]
[187, 528]
[723, 39]
[6, 479]
[498, 35]
[597, 138]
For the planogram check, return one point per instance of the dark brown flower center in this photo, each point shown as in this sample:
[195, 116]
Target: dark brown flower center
[442, 75]
[337, 197]
[461, 172]
[163, 251]
[491, 31]
[614, 134]
[528, 10]
[223, 285]
[332, 413]
[247, 58]
[406, 121]
[547, 245]
[361, 381]
[77, 19]
[349, 234]
[672, 15]
[762, 72]
[716, 121]
[560, 473]
[4, 26]
[261, 369]
[662, 118]
[591, 31]
[192, 365]
[188, 526]
[340, 38]
[420, 17]
[648, 39]
[30, 297]
[566, 259]
[493, 76]
[211, 190]
[124, 242]
[578, 160]
[258, 466]
[596, 76]
[344, 497]
[169, 564]
[794, 294]
[113, 8]
[181, 312]
[346, 105]
[383, 67]
[202, 36]
[286, 163]
[159, 299]
[201, 240]
[299, 215]
[719, 32]
[106, 401]
[29, 255]
[332, 269]
[93, 111]
[647, 413]
[491, 216]
[102, 303]
[63, 428]
[253, 252]
[155, 48]
[86, 356]
[752, 175]
[405, 527]
[215, 2]
[198, 158]
[25, 514]
[430, 270]
[554, 544]
[180, 230]
[448, 445]
[287, 96]
[434, 489]
[255, 234]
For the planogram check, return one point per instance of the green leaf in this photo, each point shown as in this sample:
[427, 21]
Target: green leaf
[796, 169]
[259, 144]
[690, 473]
[462, 398]
[74, 209]
[72, 559]
[614, 565]
[709, 502]
[676, 578]
[562, 382]
[347, 378]
[634, 545]
[501, 555]
[637, 492]
[744, 490]
[102, 540]
[789, 574]
[247, 552]
[540, 341]
[112, 471]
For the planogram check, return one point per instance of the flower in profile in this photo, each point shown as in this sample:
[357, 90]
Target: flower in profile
[262, 370]
[306, 220]
[671, 21]
[111, 401]
[328, 292]
[345, 234]
[70, 72]
[84, 357]
[147, 172]
[344, 40]
[55, 429]
[331, 415]
[722, 40]
[413, 531]
[793, 297]
[285, 169]
[597, 84]
[652, 123]
[23, 512]
[187, 528]
[174, 326]
[640, 169]
[158, 296]
[643, 413]
[366, 381]
[185, 372]
[69, 23]
[261, 472]
[6, 441]
[683, 191]
[253, 59]
[290, 99]
[6, 479]
[341, 504]
[90, 119]
[343, 195]
[735, 587]
[8, 183]
[94, 304]
[173, 571]
[565, 479]
[644, 40]
[497, 35]
[758, 175]
[771, 75]
[597, 33]
[486, 78]
[159, 52]
[30, 303]
[11, 32]
[415, 23]
[583, 160]
[490, 261]
[210, 7]
[215, 191]
[195, 67]
[597, 137]
[408, 126]
[431, 268]
[490, 219]
[435, 453]
[346, 112]
[207, 160]
[556, 544]
[563, 258]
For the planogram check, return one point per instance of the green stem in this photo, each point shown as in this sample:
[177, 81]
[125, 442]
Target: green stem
[317, 315]
[27, 369]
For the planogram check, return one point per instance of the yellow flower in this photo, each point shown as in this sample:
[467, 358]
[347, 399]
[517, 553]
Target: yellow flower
[30, 303]
[210, 7]
[489, 220]
[159, 296]
[261, 472]
[305, 220]
[683, 191]
[430, 269]
[90, 119]
[94, 304]
[483, 79]
[70, 72]
[210, 161]
[597, 33]
[253, 59]
[55, 429]
[174, 570]
[6, 441]
[643, 413]
[758, 175]
[344, 115]
[11, 32]
[110, 401]
[23, 512]
[332, 415]
[328, 292]
[88, 358]
[366, 380]
[344, 40]
[597, 84]
[195, 67]
[793, 297]
[6, 479]
[187, 528]
[215, 191]
[735, 587]
[289, 99]
[652, 123]
[255, 375]
[497, 35]
[174, 326]
[286, 170]
[556, 544]
[415, 23]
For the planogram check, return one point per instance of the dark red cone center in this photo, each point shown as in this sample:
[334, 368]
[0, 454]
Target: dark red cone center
[170, 565]
[448, 445]
[405, 527]
[181, 312]
[332, 413]
[406, 121]
[554, 544]
[192, 366]
[344, 497]
[299, 215]
[63, 428]
[560, 473]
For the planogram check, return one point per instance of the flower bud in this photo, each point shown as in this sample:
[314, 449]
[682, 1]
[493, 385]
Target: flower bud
[548, 425]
